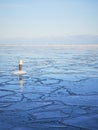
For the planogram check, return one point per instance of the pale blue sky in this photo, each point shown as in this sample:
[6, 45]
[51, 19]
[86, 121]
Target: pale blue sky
[47, 18]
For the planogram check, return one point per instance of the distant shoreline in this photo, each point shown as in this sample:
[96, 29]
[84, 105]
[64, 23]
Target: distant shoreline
[47, 45]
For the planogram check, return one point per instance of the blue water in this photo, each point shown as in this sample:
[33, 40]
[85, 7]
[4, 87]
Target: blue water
[56, 75]
[60, 61]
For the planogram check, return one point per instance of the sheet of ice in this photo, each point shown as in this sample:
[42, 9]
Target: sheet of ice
[59, 90]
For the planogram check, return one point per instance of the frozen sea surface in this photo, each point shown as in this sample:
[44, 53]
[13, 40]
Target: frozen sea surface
[58, 92]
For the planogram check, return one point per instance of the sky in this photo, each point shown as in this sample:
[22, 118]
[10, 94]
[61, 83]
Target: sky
[48, 19]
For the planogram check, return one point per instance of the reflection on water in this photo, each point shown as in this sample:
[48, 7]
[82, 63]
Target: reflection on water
[21, 82]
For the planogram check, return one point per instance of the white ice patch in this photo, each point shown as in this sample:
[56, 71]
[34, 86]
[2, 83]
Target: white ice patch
[19, 72]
